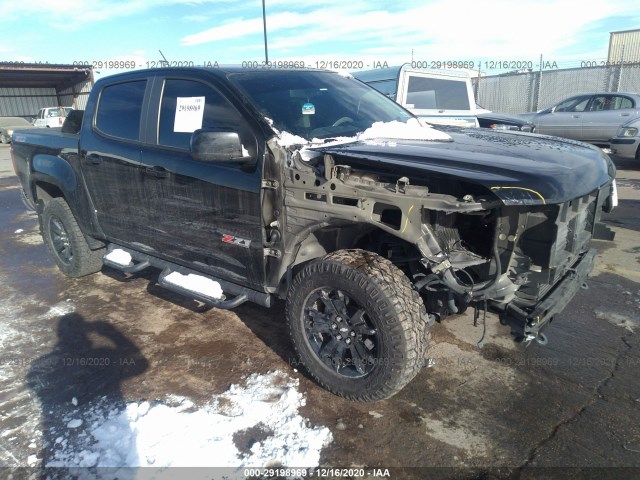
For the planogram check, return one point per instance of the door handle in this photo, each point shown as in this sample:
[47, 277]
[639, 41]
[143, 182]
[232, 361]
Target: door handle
[576, 116]
[94, 159]
[625, 114]
[158, 172]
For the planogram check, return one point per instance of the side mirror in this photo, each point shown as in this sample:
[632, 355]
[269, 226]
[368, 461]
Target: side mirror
[218, 146]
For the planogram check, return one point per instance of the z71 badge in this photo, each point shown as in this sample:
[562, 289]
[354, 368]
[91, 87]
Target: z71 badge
[233, 240]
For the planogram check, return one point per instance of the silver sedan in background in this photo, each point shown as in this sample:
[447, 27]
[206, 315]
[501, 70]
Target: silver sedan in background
[626, 143]
[591, 117]
[9, 124]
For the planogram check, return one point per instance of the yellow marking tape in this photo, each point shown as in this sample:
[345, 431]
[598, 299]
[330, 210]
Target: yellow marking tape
[406, 222]
[523, 188]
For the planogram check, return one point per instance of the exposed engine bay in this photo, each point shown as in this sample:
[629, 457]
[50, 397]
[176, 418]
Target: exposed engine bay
[458, 242]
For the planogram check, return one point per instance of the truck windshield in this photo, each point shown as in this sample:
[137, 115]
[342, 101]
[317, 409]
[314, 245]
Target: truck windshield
[317, 104]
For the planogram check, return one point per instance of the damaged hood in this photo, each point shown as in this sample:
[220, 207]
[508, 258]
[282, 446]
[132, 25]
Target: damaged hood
[520, 168]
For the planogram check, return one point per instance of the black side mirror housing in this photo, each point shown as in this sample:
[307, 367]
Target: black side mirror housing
[218, 146]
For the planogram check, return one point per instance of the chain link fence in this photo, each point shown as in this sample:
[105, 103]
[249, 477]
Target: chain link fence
[529, 91]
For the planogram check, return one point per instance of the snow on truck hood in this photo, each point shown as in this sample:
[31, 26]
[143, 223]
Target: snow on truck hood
[413, 129]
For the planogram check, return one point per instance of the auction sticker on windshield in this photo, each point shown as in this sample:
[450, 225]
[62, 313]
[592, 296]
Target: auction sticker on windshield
[189, 113]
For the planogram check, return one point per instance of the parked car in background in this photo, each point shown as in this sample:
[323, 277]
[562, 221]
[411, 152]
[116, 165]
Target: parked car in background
[52, 116]
[626, 143]
[441, 98]
[589, 117]
[9, 124]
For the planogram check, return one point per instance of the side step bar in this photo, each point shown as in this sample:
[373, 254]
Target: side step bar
[214, 302]
[140, 261]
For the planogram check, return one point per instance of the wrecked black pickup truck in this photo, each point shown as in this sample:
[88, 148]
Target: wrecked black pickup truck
[248, 185]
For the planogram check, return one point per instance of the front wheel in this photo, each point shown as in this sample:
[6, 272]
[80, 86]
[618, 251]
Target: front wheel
[66, 242]
[4, 138]
[358, 326]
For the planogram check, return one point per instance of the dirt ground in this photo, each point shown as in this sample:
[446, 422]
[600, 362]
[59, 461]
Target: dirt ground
[570, 409]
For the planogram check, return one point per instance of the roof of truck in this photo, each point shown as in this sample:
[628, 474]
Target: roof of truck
[221, 71]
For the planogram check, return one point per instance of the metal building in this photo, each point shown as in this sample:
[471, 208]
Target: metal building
[624, 47]
[25, 88]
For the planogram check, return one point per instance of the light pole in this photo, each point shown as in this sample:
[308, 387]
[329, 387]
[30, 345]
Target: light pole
[264, 23]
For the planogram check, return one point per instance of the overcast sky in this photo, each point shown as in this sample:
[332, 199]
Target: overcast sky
[368, 31]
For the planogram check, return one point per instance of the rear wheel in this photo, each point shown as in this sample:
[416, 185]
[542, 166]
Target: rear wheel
[66, 242]
[358, 326]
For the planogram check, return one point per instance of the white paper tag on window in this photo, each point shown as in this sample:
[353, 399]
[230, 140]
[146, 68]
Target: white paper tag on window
[189, 113]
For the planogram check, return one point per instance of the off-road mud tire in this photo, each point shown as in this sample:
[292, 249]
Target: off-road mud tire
[391, 304]
[82, 261]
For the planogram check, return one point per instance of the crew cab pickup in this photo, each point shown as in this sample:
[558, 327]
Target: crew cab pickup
[247, 185]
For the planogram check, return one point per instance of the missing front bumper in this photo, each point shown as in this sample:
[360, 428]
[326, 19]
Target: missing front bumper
[527, 324]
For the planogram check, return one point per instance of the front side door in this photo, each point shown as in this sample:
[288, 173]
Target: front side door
[606, 114]
[204, 214]
[110, 162]
[565, 119]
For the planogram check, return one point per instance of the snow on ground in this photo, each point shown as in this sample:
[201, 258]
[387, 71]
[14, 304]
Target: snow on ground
[196, 283]
[179, 434]
[59, 309]
[119, 256]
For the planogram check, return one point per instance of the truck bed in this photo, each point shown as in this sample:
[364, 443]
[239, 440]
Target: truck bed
[51, 138]
[27, 144]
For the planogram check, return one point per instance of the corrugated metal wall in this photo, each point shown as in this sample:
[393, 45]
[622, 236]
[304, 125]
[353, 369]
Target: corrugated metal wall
[81, 93]
[532, 91]
[624, 46]
[25, 102]
[40, 88]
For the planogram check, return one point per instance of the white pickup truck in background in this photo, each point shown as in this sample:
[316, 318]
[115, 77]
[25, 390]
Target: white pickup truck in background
[51, 116]
[438, 97]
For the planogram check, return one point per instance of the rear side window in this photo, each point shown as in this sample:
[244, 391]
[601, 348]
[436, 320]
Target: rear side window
[430, 93]
[610, 102]
[120, 109]
[189, 105]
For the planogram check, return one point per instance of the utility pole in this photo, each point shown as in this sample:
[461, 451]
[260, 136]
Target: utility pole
[264, 23]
